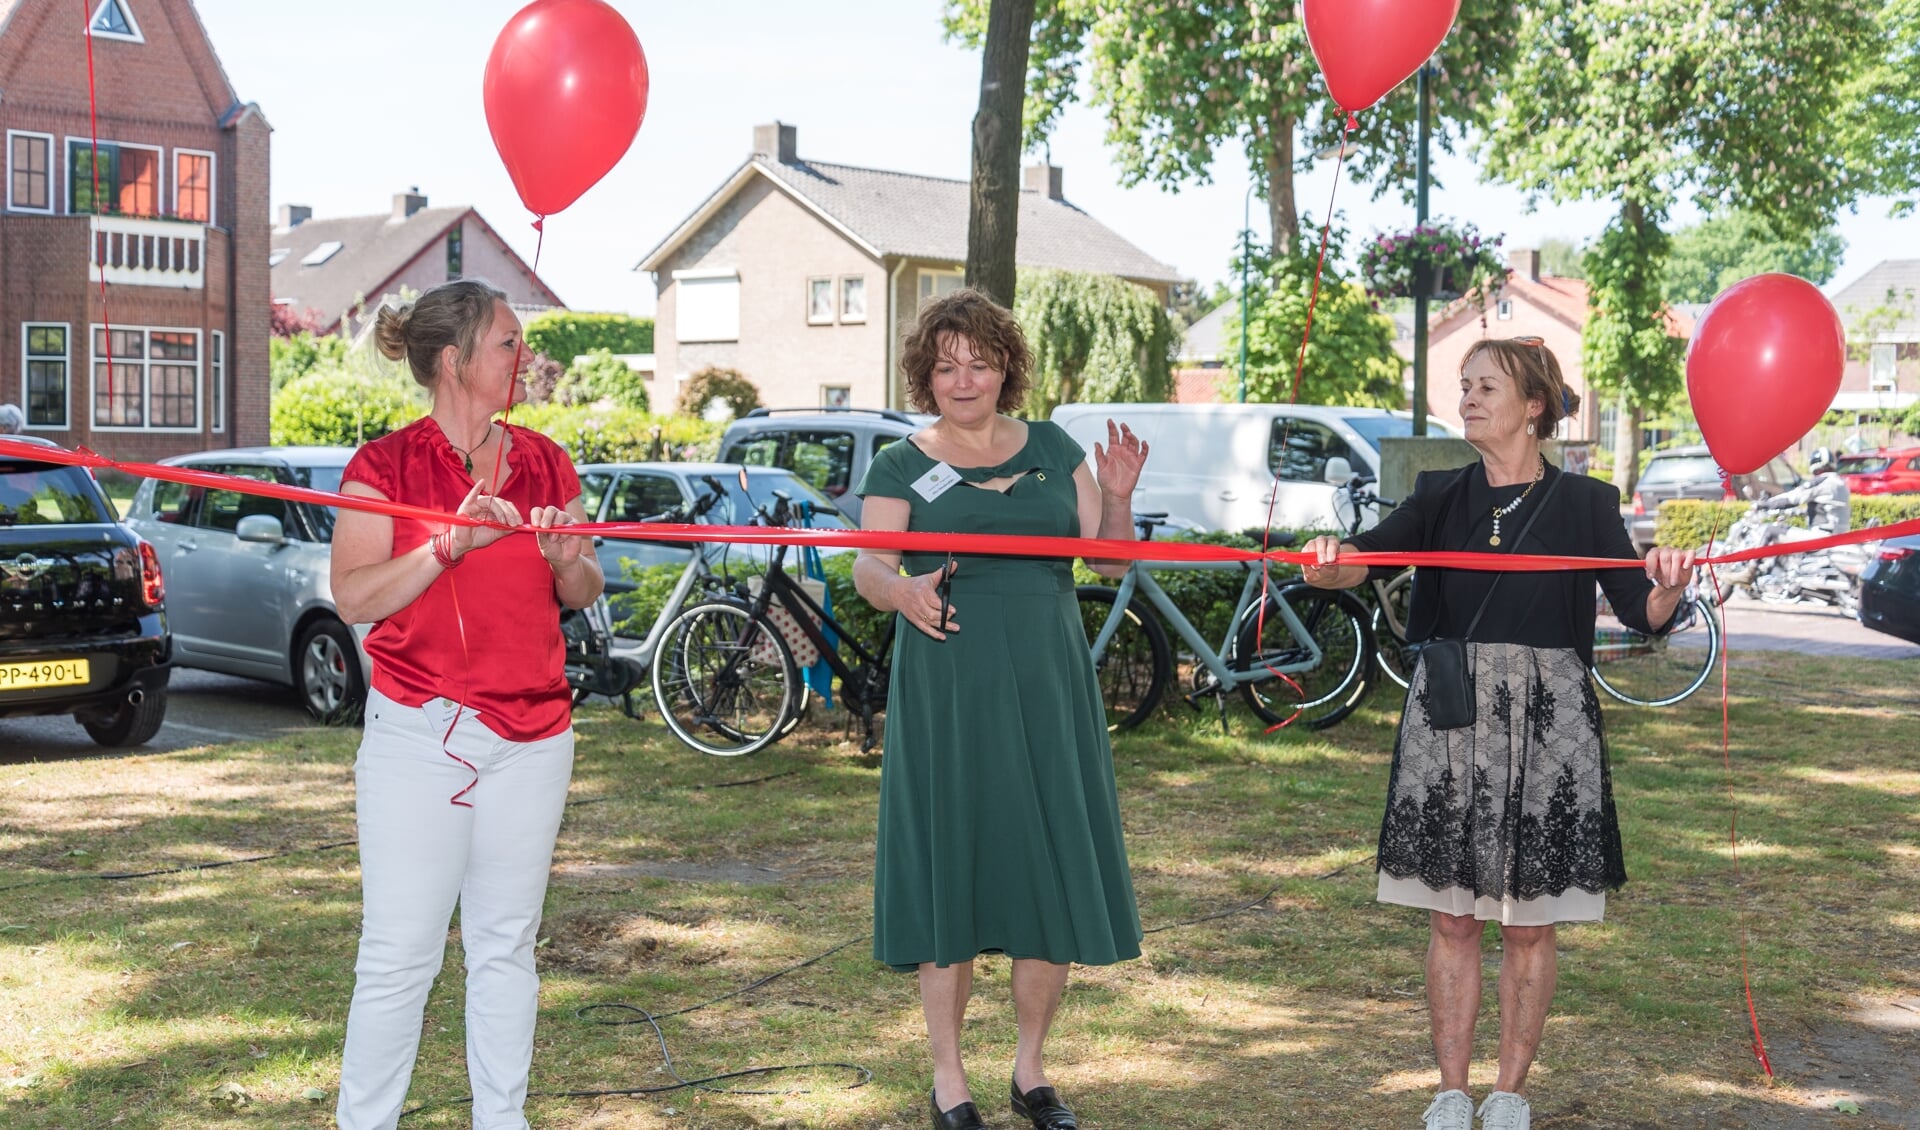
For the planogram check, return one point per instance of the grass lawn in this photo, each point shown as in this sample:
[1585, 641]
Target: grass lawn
[217, 998]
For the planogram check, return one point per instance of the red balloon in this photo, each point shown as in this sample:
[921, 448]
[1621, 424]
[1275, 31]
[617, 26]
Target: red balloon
[1763, 367]
[1368, 47]
[565, 91]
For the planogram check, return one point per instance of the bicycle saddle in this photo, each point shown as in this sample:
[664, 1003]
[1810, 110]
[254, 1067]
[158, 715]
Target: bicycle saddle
[1272, 539]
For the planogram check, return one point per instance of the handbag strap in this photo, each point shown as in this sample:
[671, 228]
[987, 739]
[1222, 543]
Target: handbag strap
[1468, 634]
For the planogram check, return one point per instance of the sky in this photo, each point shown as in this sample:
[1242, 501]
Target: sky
[370, 97]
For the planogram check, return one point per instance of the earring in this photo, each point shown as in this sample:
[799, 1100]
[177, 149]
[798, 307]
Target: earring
[1529, 427]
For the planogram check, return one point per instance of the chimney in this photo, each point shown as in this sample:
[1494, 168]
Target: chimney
[407, 203]
[1525, 262]
[293, 215]
[1044, 178]
[776, 141]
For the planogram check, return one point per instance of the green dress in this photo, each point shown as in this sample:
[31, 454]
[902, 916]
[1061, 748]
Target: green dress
[999, 822]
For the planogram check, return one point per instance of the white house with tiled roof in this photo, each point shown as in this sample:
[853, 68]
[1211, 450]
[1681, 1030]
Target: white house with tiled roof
[1881, 310]
[803, 275]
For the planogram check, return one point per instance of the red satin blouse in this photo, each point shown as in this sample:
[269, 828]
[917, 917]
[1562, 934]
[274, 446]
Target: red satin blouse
[486, 634]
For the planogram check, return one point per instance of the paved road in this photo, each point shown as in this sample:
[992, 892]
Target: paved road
[1811, 630]
[202, 709]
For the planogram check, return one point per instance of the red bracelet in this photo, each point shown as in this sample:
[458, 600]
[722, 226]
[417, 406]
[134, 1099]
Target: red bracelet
[442, 546]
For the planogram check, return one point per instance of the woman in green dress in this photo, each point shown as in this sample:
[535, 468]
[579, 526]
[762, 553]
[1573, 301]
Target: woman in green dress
[999, 822]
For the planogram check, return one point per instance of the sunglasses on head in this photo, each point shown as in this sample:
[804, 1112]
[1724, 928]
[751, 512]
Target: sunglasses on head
[1528, 340]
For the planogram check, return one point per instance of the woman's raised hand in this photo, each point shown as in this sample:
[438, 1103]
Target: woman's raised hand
[485, 508]
[1324, 569]
[560, 550]
[920, 600]
[1118, 464]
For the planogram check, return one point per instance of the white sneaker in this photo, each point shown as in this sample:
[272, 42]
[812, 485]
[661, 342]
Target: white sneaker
[1505, 1110]
[1451, 1110]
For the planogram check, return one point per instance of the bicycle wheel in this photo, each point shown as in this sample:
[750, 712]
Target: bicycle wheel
[1327, 691]
[724, 680]
[1390, 629]
[1657, 670]
[1137, 663]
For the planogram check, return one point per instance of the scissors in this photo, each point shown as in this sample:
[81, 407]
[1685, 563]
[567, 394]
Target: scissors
[946, 591]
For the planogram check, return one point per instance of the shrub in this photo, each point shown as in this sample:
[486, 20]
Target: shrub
[1206, 597]
[602, 433]
[714, 383]
[1684, 523]
[341, 408]
[566, 334]
[600, 376]
[290, 358]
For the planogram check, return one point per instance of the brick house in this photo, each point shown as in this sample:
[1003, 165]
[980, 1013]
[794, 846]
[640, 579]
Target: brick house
[174, 358]
[804, 275]
[337, 266]
[1881, 310]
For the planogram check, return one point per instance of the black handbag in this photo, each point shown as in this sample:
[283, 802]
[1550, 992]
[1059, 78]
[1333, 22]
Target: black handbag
[1449, 679]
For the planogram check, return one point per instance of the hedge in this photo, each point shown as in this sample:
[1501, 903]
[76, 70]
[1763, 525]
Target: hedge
[566, 334]
[335, 408]
[611, 433]
[634, 612]
[1686, 523]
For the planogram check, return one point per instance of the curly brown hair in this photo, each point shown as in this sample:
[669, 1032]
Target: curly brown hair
[987, 326]
[1535, 371]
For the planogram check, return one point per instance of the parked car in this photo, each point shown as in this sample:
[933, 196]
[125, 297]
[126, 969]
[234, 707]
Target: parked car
[251, 586]
[828, 447]
[631, 492]
[83, 626]
[1691, 472]
[1890, 589]
[1885, 471]
[1222, 466]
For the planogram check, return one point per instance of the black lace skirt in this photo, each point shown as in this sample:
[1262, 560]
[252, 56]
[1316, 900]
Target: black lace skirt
[1510, 819]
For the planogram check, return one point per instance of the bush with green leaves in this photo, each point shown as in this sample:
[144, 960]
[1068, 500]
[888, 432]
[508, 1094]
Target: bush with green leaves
[1206, 597]
[1095, 338]
[634, 611]
[1350, 359]
[566, 334]
[600, 376]
[712, 383]
[604, 433]
[290, 358]
[338, 407]
[1685, 523]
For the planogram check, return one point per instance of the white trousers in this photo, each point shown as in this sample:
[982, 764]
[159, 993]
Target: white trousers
[419, 854]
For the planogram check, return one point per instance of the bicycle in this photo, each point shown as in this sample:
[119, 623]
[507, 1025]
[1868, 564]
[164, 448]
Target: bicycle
[1631, 666]
[726, 680]
[1315, 640]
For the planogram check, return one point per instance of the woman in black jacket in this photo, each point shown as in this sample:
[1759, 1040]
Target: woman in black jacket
[1510, 817]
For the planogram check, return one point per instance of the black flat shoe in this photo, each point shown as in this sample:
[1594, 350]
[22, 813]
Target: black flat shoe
[1042, 1107]
[963, 1117]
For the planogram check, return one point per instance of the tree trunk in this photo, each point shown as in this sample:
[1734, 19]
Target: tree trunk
[1282, 216]
[1626, 446]
[993, 216]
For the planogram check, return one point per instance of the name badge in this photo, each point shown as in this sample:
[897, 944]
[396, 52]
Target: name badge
[936, 482]
[441, 712]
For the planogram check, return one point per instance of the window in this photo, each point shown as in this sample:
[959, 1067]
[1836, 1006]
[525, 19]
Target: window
[1299, 450]
[836, 396]
[638, 497]
[1880, 367]
[46, 372]
[593, 491]
[223, 509]
[153, 381]
[114, 20]
[171, 501]
[456, 259]
[819, 302]
[853, 298]
[824, 459]
[193, 185]
[128, 180]
[762, 451]
[322, 253]
[217, 381]
[278, 256]
[933, 284]
[706, 305]
[1503, 309]
[30, 171]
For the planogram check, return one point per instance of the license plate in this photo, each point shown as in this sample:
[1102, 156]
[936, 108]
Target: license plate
[43, 673]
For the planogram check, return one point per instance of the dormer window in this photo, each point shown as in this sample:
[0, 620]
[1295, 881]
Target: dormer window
[114, 20]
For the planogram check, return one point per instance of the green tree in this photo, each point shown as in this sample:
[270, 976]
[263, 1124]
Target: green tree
[728, 386]
[1643, 102]
[1350, 359]
[1562, 257]
[290, 358]
[343, 406]
[566, 334]
[1717, 252]
[1179, 80]
[602, 376]
[1095, 338]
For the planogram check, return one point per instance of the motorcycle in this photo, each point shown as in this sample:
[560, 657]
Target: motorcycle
[1754, 528]
[1826, 576]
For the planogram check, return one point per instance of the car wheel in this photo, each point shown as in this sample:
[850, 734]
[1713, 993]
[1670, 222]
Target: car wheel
[129, 723]
[326, 672]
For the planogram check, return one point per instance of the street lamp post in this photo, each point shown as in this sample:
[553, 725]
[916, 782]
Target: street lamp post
[1420, 298]
[1246, 257]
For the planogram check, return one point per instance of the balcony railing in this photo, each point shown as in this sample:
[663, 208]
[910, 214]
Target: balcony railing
[138, 252]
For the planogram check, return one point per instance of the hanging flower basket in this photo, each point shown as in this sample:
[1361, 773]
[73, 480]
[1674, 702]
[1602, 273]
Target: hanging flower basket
[1437, 260]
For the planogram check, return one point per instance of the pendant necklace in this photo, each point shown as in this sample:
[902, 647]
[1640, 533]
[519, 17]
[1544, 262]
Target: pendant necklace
[467, 458]
[1500, 512]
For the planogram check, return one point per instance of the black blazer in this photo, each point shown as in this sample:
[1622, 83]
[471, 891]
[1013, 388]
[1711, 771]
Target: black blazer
[1582, 519]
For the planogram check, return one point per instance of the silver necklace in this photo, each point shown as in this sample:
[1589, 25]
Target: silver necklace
[1500, 512]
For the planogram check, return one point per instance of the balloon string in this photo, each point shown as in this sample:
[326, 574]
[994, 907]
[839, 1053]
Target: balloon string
[1286, 429]
[1733, 810]
[93, 238]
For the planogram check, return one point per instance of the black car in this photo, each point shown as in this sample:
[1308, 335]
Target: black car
[1890, 589]
[82, 627]
[1691, 472]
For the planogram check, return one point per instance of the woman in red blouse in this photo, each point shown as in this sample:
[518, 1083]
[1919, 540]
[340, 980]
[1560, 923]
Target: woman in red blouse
[463, 769]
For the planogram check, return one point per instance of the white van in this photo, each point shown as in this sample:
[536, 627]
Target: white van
[1219, 466]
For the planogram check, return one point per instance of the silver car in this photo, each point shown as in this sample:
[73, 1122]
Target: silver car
[249, 590]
